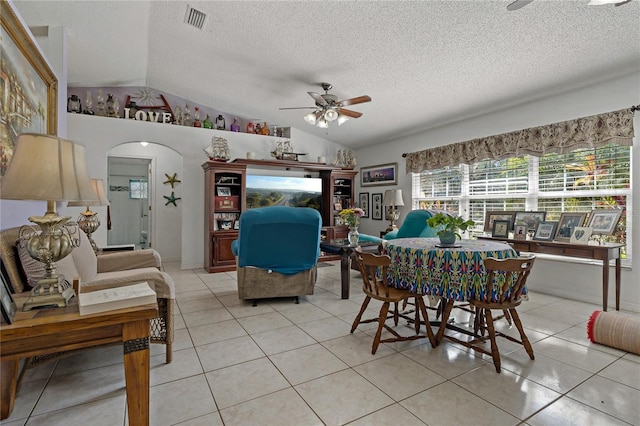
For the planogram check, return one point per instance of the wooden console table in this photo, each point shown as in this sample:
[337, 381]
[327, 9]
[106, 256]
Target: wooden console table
[605, 253]
[51, 330]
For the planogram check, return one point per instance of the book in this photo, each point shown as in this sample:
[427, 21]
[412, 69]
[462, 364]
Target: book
[116, 298]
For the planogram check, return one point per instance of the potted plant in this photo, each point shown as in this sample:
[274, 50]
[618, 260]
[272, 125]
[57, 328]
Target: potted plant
[449, 227]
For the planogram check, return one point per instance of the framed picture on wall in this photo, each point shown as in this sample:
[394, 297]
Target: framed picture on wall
[364, 203]
[603, 222]
[381, 174]
[376, 206]
[568, 222]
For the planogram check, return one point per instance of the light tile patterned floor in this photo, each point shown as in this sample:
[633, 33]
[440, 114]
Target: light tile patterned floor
[285, 364]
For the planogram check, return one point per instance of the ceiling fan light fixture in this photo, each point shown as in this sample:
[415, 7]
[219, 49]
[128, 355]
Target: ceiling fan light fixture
[322, 124]
[310, 118]
[342, 119]
[331, 114]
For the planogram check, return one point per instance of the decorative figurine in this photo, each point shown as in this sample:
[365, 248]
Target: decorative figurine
[186, 116]
[100, 106]
[177, 116]
[258, 129]
[235, 127]
[113, 106]
[265, 129]
[218, 149]
[196, 117]
[88, 104]
[74, 104]
[207, 123]
[220, 123]
[251, 128]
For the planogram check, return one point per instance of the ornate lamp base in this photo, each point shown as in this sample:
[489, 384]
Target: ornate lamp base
[49, 292]
[89, 222]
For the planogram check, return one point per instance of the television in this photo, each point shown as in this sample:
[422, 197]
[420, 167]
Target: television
[264, 191]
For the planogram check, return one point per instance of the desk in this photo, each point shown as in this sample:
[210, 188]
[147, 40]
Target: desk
[345, 251]
[605, 253]
[418, 265]
[44, 331]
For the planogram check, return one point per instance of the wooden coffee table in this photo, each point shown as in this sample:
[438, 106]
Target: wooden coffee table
[345, 251]
[51, 330]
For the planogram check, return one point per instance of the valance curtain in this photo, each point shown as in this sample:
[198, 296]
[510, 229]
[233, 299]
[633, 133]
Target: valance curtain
[587, 132]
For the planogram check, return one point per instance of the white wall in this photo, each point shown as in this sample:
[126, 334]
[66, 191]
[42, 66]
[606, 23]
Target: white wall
[579, 281]
[101, 135]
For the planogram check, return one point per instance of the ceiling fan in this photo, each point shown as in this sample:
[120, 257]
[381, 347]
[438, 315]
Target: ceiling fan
[518, 4]
[328, 108]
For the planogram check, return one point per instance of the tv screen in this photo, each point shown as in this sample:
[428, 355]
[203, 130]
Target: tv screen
[264, 191]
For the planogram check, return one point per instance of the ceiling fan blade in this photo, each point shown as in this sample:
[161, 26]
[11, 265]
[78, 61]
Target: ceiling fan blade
[518, 4]
[349, 113]
[299, 108]
[318, 98]
[354, 101]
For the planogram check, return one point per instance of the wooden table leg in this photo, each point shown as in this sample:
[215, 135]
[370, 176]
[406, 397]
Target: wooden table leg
[135, 339]
[605, 282]
[618, 277]
[345, 278]
[9, 384]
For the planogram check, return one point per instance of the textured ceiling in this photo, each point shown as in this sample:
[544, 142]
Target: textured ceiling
[424, 63]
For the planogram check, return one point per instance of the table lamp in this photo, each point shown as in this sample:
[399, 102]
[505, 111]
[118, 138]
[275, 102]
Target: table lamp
[392, 199]
[45, 167]
[88, 220]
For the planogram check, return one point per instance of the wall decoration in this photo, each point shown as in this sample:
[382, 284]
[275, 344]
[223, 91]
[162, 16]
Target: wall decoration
[171, 179]
[490, 216]
[364, 203]
[382, 174]
[29, 86]
[568, 222]
[376, 206]
[603, 222]
[171, 199]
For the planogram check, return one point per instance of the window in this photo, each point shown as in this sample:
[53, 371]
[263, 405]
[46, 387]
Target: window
[579, 181]
[138, 189]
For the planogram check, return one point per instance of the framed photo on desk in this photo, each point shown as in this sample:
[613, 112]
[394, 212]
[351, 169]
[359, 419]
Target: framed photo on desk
[501, 228]
[8, 305]
[603, 222]
[545, 231]
[568, 222]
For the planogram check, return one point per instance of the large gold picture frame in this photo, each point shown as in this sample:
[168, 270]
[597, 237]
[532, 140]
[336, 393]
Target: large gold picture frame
[28, 86]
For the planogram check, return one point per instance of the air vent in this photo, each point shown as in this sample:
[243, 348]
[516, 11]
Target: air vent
[195, 18]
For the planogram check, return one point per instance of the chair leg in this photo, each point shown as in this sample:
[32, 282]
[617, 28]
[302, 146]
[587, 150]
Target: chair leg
[416, 320]
[445, 317]
[169, 353]
[523, 336]
[384, 311]
[420, 306]
[367, 299]
[255, 302]
[297, 300]
[495, 354]
[396, 315]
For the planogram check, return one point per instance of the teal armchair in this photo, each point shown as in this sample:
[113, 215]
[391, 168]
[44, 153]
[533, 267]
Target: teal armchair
[414, 225]
[277, 252]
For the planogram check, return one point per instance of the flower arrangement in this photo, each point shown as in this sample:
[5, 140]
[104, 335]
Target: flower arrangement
[350, 216]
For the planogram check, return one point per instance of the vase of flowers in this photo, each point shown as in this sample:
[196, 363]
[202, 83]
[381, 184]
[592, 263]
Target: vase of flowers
[350, 218]
[449, 227]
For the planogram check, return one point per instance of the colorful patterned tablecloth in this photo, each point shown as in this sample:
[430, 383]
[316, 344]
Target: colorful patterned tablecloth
[454, 273]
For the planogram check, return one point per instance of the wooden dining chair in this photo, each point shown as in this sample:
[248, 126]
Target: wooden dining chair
[373, 269]
[506, 279]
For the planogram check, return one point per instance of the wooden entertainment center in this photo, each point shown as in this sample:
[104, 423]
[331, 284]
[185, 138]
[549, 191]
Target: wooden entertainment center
[225, 200]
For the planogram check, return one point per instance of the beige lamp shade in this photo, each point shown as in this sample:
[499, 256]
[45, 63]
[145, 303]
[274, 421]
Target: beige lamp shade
[98, 188]
[393, 197]
[45, 167]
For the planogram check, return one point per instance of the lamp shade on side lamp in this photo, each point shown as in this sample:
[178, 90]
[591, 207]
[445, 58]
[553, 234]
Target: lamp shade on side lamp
[392, 199]
[88, 220]
[49, 168]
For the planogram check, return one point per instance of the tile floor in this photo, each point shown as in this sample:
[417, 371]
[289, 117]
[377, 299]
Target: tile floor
[285, 364]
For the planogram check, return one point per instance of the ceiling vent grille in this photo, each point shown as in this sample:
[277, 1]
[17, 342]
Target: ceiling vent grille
[195, 18]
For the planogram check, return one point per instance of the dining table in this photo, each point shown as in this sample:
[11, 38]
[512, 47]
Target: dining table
[444, 273]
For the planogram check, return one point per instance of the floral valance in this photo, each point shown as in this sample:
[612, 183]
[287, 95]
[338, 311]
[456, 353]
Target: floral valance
[587, 132]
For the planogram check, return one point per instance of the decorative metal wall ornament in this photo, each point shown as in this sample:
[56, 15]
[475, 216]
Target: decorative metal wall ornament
[172, 179]
[171, 199]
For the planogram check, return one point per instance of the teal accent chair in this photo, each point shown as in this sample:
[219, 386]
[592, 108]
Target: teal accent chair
[277, 252]
[414, 225]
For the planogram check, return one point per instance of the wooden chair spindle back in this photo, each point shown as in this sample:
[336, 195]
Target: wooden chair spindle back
[373, 269]
[516, 272]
